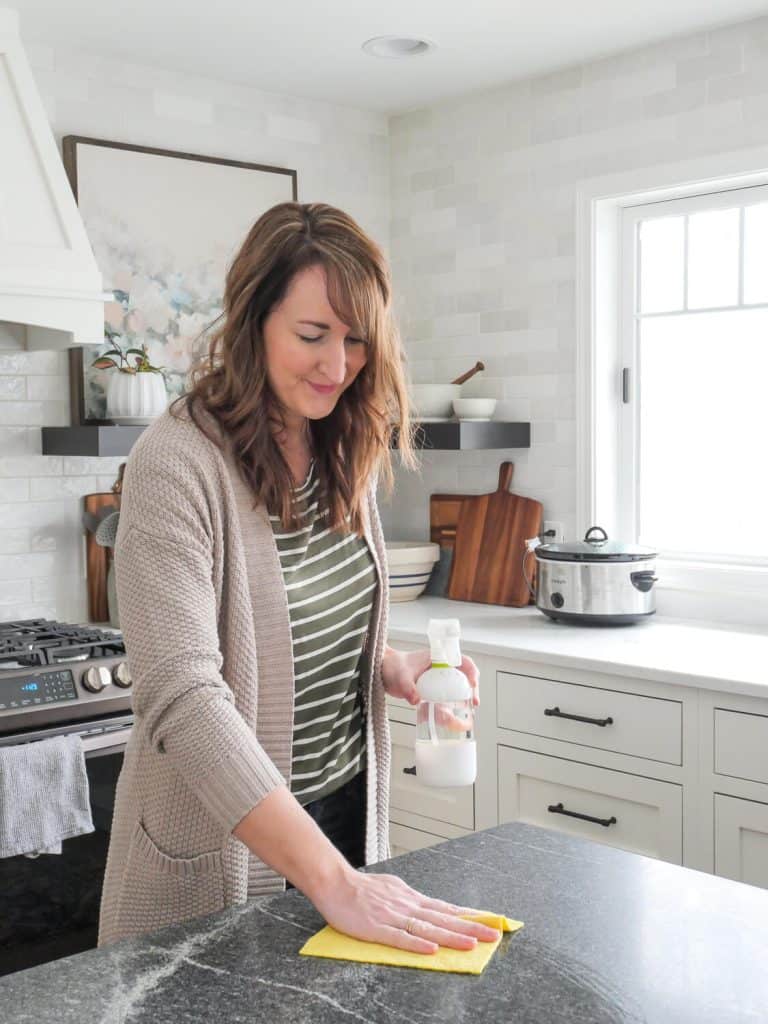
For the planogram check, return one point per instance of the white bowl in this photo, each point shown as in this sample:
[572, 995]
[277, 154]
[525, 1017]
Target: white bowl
[434, 401]
[410, 566]
[474, 408]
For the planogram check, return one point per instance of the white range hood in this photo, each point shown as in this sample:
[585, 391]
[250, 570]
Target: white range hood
[50, 287]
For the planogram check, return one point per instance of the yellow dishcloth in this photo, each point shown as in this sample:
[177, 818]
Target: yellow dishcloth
[337, 946]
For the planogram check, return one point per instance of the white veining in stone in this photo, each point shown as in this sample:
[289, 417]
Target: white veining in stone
[126, 1002]
[279, 917]
[315, 995]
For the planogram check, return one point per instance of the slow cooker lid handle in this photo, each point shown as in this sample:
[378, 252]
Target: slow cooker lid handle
[595, 540]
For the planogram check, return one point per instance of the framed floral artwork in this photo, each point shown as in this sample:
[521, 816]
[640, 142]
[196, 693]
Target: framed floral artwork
[164, 227]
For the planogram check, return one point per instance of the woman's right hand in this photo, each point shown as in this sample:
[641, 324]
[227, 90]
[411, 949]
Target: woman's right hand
[385, 909]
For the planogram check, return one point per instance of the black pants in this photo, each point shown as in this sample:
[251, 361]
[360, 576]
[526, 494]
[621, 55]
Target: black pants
[341, 816]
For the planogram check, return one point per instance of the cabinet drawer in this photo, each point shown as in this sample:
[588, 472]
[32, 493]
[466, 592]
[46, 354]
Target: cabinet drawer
[741, 840]
[400, 711]
[648, 727]
[454, 805]
[403, 839]
[741, 745]
[648, 813]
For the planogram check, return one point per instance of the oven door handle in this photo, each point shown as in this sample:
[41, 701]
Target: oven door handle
[104, 742]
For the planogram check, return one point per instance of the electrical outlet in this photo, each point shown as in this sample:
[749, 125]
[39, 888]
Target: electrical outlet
[557, 537]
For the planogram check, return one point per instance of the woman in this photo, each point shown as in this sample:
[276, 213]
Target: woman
[251, 581]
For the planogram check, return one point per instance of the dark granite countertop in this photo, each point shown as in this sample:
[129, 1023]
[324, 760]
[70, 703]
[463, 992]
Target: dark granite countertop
[609, 937]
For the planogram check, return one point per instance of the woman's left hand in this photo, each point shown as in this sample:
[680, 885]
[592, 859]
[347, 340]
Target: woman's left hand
[401, 669]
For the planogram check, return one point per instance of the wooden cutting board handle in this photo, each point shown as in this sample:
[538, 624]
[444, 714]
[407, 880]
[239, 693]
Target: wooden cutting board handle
[506, 472]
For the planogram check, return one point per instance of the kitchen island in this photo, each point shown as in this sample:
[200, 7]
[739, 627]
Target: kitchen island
[609, 937]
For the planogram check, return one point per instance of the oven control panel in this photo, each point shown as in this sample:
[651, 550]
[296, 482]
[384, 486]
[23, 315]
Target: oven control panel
[45, 688]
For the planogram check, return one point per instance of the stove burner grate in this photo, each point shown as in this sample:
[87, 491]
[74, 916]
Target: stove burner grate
[28, 643]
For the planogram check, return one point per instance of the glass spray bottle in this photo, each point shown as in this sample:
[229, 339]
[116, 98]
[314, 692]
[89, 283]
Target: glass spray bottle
[446, 753]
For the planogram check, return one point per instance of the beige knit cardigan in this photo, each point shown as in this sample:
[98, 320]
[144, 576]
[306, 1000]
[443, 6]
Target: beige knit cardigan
[204, 614]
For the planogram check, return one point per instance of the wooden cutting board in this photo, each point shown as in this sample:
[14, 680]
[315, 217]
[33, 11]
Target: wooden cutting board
[490, 543]
[97, 558]
[443, 517]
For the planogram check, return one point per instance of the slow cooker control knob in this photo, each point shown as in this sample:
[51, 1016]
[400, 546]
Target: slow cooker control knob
[557, 600]
[121, 675]
[96, 678]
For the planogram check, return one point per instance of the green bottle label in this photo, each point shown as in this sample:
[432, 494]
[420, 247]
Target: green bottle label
[440, 664]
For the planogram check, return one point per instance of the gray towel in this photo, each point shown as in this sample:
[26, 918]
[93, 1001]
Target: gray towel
[43, 796]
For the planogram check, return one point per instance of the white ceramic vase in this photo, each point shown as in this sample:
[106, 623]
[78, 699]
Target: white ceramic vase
[136, 397]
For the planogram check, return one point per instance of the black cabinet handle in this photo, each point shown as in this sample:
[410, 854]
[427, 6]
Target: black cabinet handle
[559, 809]
[409, 771]
[557, 713]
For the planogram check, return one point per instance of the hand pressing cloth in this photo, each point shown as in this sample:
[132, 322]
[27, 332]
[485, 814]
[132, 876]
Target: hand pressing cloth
[337, 946]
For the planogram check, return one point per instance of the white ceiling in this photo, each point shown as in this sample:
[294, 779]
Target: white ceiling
[311, 48]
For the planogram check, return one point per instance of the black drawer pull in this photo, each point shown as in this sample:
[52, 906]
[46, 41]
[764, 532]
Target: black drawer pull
[559, 809]
[409, 771]
[557, 713]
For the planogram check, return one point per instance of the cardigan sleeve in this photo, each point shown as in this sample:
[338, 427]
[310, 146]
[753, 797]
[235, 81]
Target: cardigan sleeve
[168, 615]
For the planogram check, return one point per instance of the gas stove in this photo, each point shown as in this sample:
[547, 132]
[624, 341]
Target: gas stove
[56, 677]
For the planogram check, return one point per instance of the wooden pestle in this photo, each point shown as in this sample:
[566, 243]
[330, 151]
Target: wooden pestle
[470, 373]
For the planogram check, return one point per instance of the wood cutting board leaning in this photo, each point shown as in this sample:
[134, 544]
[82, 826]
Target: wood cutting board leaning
[482, 543]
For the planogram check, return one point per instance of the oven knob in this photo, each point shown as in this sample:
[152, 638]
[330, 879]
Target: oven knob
[557, 599]
[121, 675]
[96, 678]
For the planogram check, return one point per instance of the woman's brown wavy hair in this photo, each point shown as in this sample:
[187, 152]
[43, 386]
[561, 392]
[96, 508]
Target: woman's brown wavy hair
[351, 446]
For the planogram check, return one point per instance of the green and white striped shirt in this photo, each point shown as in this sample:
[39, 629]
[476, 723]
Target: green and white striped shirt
[330, 581]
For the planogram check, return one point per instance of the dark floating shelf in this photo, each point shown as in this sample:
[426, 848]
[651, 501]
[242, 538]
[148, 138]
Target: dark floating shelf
[105, 441]
[438, 435]
[472, 435]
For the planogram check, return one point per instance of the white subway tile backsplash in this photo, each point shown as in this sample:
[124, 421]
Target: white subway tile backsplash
[41, 465]
[33, 363]
[723, 62]
[36, 514]
[26, 567]
[293, 129]
[51, 488]
[46, 540]
[17, 414]
[685, 97]
[13, 388]
[14, 489]
[20, 441]
[51, 388]
[183, 108]
[16, 541]
[83, 465]
[12, 592]
[753, 82]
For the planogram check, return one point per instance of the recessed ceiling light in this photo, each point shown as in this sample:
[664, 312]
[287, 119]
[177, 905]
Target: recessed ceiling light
[397, 46]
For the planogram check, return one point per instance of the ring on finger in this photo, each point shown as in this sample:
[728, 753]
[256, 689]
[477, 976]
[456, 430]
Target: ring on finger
[410, 925]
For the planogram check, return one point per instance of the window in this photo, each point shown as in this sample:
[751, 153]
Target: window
[693, 402]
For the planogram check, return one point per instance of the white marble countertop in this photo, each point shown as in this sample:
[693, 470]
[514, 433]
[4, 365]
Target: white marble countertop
[685, 652]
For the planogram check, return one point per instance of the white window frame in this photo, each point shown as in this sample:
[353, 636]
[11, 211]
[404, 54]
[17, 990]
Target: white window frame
[600, 433]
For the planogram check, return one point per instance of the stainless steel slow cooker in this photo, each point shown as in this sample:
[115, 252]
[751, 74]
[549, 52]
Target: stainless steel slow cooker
[596, 580]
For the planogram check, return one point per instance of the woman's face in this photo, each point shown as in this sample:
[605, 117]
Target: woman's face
[311, 355]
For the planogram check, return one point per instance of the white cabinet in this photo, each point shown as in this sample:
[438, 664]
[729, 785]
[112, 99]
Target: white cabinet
[626, 723]
[683, 770]
[741, 745]
[454, 805]
[404, 838]
[741, 840]
[614, 808]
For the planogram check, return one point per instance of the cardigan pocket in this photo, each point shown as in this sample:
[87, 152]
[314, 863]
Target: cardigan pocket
[158, 890]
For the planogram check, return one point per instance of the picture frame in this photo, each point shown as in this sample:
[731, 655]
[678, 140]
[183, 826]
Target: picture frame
[164, 226]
